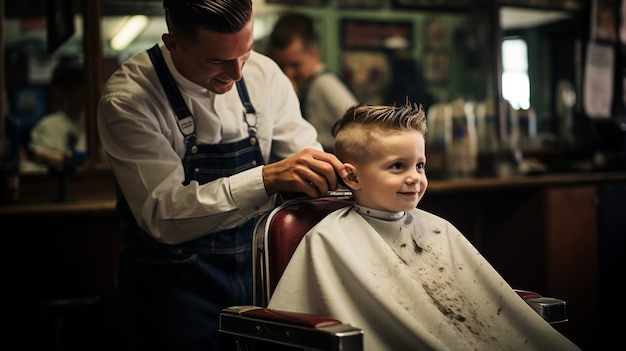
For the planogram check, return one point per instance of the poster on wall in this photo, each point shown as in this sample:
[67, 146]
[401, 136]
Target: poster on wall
[436, 61]
[360, 4]
[367, 74]
[436, 66]
[298, 2]
[604, 20]
[554, 4]
[446, 5]
[365, 60]
[358, 34]
[599, 73]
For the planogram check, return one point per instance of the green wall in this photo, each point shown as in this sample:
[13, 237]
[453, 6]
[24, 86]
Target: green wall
[470, 68]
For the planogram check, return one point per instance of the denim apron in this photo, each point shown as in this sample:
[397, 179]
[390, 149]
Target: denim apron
[177, 291]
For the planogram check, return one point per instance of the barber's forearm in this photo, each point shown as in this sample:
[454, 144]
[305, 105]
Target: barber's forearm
[212, 207]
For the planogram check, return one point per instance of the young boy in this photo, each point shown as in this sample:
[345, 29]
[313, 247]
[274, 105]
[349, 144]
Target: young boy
[408, 278]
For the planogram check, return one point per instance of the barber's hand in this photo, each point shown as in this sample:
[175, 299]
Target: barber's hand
[310, 171]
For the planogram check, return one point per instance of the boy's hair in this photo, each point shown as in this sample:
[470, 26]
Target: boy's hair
[185, 17]
[358, 125]
[292, 25]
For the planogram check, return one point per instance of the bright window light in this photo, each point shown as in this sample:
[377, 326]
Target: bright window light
[515, 81]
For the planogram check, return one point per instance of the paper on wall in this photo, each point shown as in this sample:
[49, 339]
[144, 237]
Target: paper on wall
[599, 73]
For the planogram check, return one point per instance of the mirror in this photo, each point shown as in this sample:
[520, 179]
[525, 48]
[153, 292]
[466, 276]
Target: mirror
[40, 36]
[541, 73]
[44, 89]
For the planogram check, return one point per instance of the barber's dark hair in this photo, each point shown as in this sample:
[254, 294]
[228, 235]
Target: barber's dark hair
[185, 17]
[293, 25]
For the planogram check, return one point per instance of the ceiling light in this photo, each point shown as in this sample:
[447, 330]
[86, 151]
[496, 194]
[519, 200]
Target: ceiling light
[131, 29]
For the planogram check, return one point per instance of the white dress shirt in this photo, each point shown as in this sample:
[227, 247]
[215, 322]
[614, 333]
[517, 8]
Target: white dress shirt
[140, 135]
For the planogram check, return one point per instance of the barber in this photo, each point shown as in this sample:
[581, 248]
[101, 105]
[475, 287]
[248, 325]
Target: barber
[201, 133]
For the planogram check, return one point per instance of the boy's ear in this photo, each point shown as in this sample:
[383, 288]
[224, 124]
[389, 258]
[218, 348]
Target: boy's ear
[351, 180]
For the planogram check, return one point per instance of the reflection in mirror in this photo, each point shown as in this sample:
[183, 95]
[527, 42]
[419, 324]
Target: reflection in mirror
[58, 139]
[541, 50]
[35, 107]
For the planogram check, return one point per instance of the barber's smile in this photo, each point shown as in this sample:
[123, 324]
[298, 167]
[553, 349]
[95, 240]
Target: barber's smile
[224, 81]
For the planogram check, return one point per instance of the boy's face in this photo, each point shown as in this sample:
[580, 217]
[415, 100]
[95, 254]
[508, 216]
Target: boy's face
[393, 178]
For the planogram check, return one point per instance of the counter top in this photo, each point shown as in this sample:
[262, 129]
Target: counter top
[107, 206]
[99, 206]
[494, 183]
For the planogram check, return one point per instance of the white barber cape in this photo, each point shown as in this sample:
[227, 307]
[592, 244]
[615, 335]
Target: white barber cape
[411, 282]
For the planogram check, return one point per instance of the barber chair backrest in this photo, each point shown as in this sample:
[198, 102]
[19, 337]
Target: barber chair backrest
[275, 238]
[277, 235]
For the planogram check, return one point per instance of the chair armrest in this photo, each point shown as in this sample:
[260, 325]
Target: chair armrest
[288, 317]
[301, 330]
[552, 310]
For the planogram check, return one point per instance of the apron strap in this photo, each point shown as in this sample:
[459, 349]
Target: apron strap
[244, 97]
[247, 104]
[186, 122]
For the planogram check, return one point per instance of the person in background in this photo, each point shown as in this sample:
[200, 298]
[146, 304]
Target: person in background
[58, 140]
[407, 277]
[202, 134]
[323, 96]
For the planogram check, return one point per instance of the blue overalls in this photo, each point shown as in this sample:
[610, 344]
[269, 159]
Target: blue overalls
[177, 291]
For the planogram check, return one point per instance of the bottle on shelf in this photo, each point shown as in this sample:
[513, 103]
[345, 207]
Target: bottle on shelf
[461, 145]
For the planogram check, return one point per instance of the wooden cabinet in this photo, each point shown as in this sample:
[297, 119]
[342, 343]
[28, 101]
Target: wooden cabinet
[612, 245]
[571, 249]
[542, 234]
[61, 268]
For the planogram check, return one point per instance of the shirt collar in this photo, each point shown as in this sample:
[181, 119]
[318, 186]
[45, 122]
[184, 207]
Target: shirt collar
[379, 214]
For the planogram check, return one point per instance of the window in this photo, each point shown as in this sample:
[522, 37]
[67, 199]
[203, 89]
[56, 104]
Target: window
[515, 81]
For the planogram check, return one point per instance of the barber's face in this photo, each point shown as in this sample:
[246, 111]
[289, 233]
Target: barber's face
[297, 62]
[216, 60]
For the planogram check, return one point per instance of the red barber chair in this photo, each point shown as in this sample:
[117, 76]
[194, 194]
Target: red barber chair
[276, 236]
